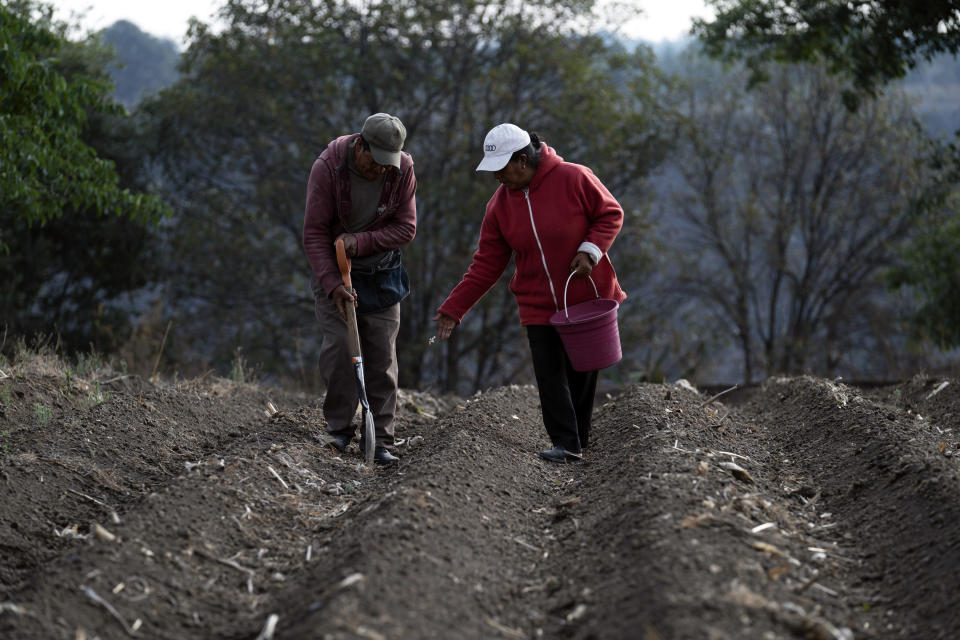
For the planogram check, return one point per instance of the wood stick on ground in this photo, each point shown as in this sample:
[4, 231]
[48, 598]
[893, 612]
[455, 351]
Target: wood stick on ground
[277, 476]
[269, 627]
[732, 455]
[940, 387]
[809, 583]
[715, 397]
[91, 499]
[93, 595]
[230, 563]
[235, 565]
[524, 543]
[826, 590]
[9, 607]
[156, 364]
[505, 630]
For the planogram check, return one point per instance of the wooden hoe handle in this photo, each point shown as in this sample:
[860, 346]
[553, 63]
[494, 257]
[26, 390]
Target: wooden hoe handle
[344, 263]
[353, 334]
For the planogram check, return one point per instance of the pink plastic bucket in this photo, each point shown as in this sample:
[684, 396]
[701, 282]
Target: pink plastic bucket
[589, 331]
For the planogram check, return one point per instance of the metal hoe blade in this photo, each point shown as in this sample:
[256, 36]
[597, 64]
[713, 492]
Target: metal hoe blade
[369, 431]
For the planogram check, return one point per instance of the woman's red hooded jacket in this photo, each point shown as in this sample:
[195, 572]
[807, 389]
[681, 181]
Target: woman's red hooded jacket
[543, 226]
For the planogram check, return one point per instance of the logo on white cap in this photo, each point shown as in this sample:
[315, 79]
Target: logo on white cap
[501, 142]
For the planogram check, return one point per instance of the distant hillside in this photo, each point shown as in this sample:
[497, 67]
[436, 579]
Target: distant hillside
[145, 64]
[934, 85]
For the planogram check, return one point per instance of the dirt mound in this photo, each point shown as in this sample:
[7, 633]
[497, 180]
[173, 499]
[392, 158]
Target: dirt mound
[810, 511]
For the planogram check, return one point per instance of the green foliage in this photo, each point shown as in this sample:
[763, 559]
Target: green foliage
[872, 41]
[239, 369]
[45, 166]
[42, 414]
[237, 155]
[89, 363]
[68, 156]
[94, 397]
[74, 276]
[930, 269]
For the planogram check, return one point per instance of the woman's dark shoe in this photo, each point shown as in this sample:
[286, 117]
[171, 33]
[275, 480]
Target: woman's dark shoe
[381, 455]
[559, 454]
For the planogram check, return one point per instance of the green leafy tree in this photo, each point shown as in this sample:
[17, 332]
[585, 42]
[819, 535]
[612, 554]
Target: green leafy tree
[76, 247]
[237, 154]
[929, 271]
[873, 41]
[45, 164]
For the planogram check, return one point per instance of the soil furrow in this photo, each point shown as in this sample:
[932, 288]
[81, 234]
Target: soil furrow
[87, 461]
[668, 543]
[453, 547]
[812, 511]
[883, 477]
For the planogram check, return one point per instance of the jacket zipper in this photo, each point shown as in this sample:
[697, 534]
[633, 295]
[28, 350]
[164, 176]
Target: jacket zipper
[543, 257]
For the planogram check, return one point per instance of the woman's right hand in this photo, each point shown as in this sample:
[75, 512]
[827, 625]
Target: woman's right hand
[445, 325]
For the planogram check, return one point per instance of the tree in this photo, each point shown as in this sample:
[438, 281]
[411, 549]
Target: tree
[929, 269]
[237, 156]
[791, 207]
[45, 165]
[873, 41]
[72, 207]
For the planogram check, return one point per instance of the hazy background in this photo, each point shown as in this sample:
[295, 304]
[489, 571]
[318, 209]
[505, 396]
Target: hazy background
[763, 224]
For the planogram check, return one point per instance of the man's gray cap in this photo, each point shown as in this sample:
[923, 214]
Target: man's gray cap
[385, 134]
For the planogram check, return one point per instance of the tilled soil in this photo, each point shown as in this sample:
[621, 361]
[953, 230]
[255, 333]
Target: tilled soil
[811, 510]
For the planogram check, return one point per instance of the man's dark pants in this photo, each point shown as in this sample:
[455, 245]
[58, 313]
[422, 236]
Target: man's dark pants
[378, 340]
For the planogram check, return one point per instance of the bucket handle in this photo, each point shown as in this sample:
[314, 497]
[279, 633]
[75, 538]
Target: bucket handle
[569, 278]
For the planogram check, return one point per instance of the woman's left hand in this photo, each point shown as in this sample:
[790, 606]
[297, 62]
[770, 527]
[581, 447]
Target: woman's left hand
[581, 264]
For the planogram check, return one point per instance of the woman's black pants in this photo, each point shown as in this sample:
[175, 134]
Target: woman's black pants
[566, 396]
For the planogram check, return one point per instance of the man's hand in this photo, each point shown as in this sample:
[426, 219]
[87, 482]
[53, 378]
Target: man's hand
[343, 297]
[581, 264]
[349, 244]
[445, 325]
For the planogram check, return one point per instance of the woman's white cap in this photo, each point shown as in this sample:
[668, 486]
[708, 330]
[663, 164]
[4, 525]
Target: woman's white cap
[501, 142]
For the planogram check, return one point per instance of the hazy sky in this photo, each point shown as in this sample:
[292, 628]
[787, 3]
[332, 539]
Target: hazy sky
[662, 20]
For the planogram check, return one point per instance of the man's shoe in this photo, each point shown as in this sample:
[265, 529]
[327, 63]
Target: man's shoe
[339, 441]
[381, 455]
[560, 455]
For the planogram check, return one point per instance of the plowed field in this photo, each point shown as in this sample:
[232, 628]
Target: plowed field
[803, 509]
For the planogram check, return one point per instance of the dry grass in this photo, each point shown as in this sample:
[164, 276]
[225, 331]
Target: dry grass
[81, 376]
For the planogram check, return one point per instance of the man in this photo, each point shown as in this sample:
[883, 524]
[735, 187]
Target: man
[361, 189]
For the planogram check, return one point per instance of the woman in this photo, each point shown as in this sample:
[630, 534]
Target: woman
[554, 217]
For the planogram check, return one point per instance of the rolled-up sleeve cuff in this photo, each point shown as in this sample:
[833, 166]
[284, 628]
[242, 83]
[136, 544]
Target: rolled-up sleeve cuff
[591, 250]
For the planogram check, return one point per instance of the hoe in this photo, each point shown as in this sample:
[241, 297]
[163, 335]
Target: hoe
[353, 340]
